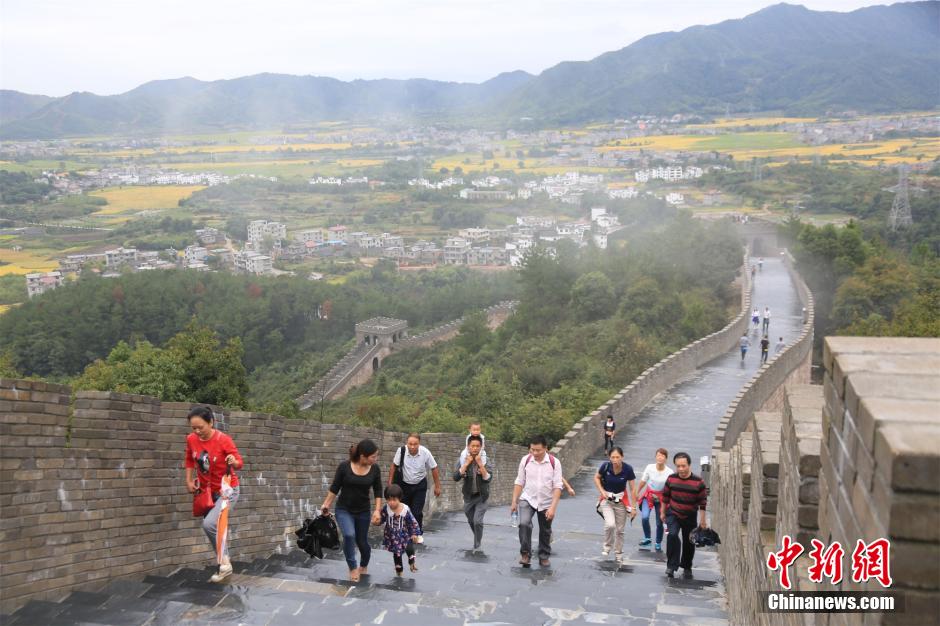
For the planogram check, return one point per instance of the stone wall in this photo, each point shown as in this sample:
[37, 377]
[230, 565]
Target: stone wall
[765, 390]
[880, 459]
[586, 436]
[855, 458]
[92, 485]
[495, 316]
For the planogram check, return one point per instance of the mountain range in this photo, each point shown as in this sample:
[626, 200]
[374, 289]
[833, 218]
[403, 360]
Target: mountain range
[783, 58]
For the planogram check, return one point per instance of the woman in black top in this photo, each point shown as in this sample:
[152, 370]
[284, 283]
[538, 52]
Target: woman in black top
[352, 482]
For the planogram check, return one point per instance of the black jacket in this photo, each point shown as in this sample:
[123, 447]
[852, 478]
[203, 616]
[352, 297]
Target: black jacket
[484, 484]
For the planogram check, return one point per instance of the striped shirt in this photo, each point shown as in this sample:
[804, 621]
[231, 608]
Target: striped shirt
[683, 496]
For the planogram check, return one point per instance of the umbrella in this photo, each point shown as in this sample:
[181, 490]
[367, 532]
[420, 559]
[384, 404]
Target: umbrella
[221, 537]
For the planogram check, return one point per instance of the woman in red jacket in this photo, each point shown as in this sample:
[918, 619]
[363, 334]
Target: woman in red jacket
[210, 453]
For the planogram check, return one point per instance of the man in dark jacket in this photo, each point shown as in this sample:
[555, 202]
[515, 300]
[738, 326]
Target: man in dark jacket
[684, 498]
[475, 473]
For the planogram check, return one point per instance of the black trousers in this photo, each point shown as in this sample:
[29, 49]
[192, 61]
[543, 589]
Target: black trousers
[415, 496]
[679, 554]
[410, 551]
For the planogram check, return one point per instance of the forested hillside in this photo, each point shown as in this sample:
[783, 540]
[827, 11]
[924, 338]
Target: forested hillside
[588, 323]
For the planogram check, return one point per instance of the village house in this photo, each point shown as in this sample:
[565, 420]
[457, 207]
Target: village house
[252, 262]
[337, 233]
[38, 283]
[258, 230]
[208, 235]
[316, 235]
[195, 254]
[455, 251]
[120, 256]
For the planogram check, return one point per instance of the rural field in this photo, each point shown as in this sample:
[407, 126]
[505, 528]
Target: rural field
[141, 197]
[25, 261]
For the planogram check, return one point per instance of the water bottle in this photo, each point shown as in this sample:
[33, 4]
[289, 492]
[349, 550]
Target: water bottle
[515, 519]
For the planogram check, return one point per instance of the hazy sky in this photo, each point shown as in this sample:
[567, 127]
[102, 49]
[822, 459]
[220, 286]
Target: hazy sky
[54, 47]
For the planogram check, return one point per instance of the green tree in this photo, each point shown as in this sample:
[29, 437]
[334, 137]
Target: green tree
[592, 296]
[474, 332]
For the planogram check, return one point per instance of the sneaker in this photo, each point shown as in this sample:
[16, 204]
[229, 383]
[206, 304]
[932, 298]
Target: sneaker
[659, 547]
[605, 552]
[670, 572]
[687, 572]
[619, 557]
[646, 542]
[544, 562]
[224, 572]
[525, 560]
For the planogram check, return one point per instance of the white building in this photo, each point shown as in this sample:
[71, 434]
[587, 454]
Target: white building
[629, 192]
[253, 263]
[208, 235]
[337, 233]
[259, 229]
[392, 241]
[195, 254]
[314, 234]
[39, 283]
[120, 256]
[474, 234]
[455, 251]
[675, 198]
[600, 240]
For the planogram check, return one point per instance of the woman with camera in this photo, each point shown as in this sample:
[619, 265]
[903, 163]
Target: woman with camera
[653, 479]
[613, 480]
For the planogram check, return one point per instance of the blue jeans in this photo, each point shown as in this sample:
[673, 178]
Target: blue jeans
[355, 529]
[645, 519]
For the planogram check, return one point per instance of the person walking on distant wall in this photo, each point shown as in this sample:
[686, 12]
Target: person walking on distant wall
[351, 483]
[210, 455]
[610, 428]
[745, 344]
[764, 348]
[766, 320]
[779, 347]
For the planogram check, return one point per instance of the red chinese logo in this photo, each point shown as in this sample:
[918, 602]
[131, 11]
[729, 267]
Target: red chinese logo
[826, 563]
[783, 559]
[871, 561]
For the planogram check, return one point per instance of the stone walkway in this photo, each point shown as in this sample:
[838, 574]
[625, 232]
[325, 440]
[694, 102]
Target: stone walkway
[454, 586]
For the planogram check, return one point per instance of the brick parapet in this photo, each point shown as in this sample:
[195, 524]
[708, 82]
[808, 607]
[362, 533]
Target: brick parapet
[112, 501]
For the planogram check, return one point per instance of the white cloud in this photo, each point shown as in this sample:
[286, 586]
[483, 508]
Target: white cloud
[110, 46]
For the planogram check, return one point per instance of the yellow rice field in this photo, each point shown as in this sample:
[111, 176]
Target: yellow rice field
[223, 149]
[138, 198]
[737, 122]
[25, 262]
[743, 146]
[534, 166]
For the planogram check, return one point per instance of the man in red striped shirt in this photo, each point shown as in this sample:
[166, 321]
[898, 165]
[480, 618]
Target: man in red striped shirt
[684, 494]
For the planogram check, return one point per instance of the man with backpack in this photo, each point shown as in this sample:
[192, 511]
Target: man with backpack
[411, 465]
[535, 493]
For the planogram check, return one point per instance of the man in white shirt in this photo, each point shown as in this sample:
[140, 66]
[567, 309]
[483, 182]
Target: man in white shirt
[412, 475]
[536, 493]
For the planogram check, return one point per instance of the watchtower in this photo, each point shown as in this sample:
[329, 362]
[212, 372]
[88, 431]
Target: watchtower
[381, 331]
